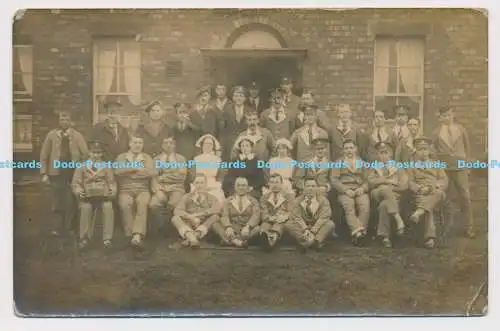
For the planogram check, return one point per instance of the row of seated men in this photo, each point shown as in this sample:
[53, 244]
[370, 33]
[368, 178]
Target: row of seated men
[242, 208]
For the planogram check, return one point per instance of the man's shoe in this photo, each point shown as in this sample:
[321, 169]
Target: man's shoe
[430, 243]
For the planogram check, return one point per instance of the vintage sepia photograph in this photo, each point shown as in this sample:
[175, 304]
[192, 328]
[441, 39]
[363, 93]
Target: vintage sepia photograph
[250, 161]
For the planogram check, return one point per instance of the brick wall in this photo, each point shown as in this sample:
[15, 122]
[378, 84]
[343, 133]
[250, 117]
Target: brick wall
[338, 67]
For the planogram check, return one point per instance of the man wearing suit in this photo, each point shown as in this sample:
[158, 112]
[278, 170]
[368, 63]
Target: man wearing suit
[276, 119]
[195, 213]
[153, 129]
[321, 170]
[240, 218]
[406, 149]
[262, 138]
[203, 116]
[113, 137]
[378, 133]
[233, 121]
[345, 129]
[290, 101]
[185, 133]
[255, 101]
[311, 218]
[428, 186]
[452, 144]
[386, 183]
[221, 102]
[400, 130]
[307, 99]
[275, 207]
[303, 137]
[352, 188]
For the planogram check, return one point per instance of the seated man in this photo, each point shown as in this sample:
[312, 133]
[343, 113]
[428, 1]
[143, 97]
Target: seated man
[428, 186]
[240, 217]
[134, 185]
[95, 187]
[321, 171]
[170, 184]
[195, 213]
[386, 184]
[275, 207]
[310, 221]
[350, 184]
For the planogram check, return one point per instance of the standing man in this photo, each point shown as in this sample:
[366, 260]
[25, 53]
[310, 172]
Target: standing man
[221, 102]
[203, 117]
[290, 101]
[153, 129]
[346, 129]
[320, 171]
[113, 137]
[352, 188]
[233, 121]
[307, 99]
[275, 208]
[429, 187]
[406, 149]
[311, 218]
[254, 100]
[276, 120]
[195, 213]
[379, 133]
[240, 216]
[262, 138]
[452, 144]
[170, 184]
[400, 130]
[95, 187]
[185, 133]
[303, 137]
[63, 144]
[387, 183]
[134, 186]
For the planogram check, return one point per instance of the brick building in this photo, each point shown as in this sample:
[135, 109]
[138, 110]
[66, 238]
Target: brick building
[370, 58]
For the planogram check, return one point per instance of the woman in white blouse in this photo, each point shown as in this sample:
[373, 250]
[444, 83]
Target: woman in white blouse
[282, 164]
[208, 163]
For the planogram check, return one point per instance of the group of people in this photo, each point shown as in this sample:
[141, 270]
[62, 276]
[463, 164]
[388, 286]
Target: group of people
[254, 203]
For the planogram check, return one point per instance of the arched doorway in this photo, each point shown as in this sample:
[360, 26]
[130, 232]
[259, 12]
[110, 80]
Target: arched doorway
[255, 52]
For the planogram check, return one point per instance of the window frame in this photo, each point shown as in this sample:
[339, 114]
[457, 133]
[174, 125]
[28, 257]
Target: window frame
[20, 96]
[95, 67]
[397, 94]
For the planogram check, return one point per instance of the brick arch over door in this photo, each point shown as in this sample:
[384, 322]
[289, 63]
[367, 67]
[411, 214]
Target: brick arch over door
[264, 35]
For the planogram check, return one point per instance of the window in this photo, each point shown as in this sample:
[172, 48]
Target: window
[22, 80]
[117, 75]
[399, 70]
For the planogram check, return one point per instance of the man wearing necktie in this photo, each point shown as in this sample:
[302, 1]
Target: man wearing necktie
[400, 131]
[240, 217]
[406, 149]
[302, 138]
[290, 101]
[275, 209]
[344, 129]
[379, 133]
[195, 213]
[310, 221]
[320, 171]
[61, 144]
[276, 119]
[451, 142]
[254, 100]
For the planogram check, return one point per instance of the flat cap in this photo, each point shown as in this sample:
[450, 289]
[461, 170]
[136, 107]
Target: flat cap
[401, 109]
[238, 89]
[204, 89]
[422, 141]
[150, 105]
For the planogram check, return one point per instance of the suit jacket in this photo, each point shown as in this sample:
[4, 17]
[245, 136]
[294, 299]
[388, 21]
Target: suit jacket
[263, 144]
[86, 178]
[322, 175]
[348, 178]
[224, 108]
[208, 124]
[230, 128]
[337, 139]
[153, 141]
[172, 178]
[323, 121]
[113, 144]
[188, 205]
[260, 106]
[185, 140]
[398, 178]
[282, 128]
[320, 208]
[405, 150]
[302, 149]
[269, 209]
[451, 149]
[434, 177]
[51, 150]
[249, 215]
[387, 137]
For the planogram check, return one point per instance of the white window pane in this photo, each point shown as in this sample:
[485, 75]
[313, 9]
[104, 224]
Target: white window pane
[17, 81]
[130, 80]
[386, 104]
[410, 80]
[106, 80]
[410, 52]
[129, 54]
[23, 134]
[412, 102]
[382, 52]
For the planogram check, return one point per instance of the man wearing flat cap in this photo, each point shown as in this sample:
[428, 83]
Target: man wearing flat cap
[203, 116]
[320, 171]
[153, 129]
[303, 137]
[290, 100]
[110, 133]
[221, 103]
[386, 184]
[95, 187]
[233, 120]
[428, 186]
[276, 119]
[254, 99]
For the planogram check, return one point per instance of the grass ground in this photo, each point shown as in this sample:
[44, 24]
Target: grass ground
[52, 278]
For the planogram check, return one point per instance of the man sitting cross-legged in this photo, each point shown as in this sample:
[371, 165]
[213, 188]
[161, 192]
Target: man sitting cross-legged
[240, 217]
[195, 213]
[275, 208]
[310, 221]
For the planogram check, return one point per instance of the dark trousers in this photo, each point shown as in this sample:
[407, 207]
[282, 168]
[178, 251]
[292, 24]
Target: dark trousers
[63, 203]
